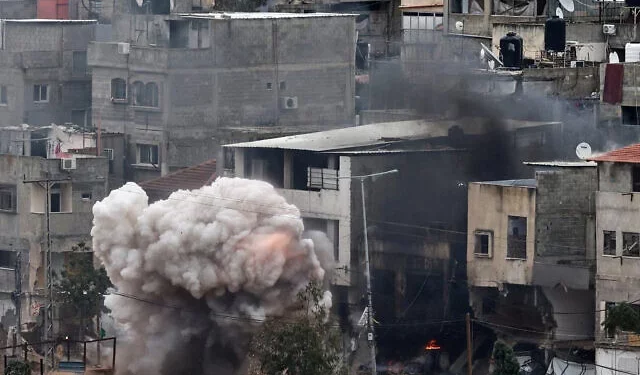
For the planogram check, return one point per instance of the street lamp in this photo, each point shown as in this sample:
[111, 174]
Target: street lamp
[370, 334]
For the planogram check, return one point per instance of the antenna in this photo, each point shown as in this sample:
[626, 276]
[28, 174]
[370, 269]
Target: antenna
[559, 12]
[583, 151]
[567, 5]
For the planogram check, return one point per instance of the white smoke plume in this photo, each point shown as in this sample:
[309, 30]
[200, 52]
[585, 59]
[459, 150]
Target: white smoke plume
[197, 273]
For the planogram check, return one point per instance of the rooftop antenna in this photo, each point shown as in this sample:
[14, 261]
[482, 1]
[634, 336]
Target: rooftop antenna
[583, 151]
[559, 12]
[568, 5]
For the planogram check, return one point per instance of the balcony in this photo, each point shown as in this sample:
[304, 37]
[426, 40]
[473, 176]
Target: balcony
[323, 203]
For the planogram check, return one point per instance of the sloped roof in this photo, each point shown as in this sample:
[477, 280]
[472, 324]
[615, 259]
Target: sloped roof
[629, 154]
[190, 178]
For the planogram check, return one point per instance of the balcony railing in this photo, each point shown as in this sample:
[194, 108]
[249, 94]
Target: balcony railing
[322, 178]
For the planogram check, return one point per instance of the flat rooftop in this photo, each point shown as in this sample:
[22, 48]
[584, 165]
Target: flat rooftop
[565, 164]
[527, 182]
[36, 20]
[260, 15]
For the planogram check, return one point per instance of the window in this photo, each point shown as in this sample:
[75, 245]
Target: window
[283, 85]
[118, 89]
[79, 117]
[40, 93]
[322, 178]
[517, 237]
[3, 95]
[483, 243]
[151, 95]
[609, 245]
[108, 153]
[137, 93]
[630, 246]
[7, 198]
[630, 115]
[79, 62]
[7, 259]
[635, 176]
[147, 154]
[86, 196]
[269, 86]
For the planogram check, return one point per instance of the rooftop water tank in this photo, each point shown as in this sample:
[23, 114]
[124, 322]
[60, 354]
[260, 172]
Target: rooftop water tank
[632, 52]
[511, 50]
[555, 34]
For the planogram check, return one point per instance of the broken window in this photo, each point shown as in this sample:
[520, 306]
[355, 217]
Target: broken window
[40, 93]
[483, 243]
[635, 176]
[630, 115]
[147, 154]
[118, 89]
[609, 243]
[517, 237]
[630, 246]
[8, 198]
[178, 34]
[3, 95]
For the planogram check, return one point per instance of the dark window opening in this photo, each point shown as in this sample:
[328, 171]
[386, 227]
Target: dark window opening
[630, 246]
[86, 196]
[7, 259]
[137, 93]
[265, 165]
[79, 66]
[283, 85]
[118, 89]
[3, 95]
[54, 204]
[635, 172]
[630, 115]
[609, 245]
[178, 34]
[7, 198]
[148, 154]
[79, 117]
[269, 86]
[517, 237]
[483, 242]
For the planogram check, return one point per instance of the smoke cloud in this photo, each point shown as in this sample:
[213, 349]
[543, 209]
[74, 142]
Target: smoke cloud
[197, 273]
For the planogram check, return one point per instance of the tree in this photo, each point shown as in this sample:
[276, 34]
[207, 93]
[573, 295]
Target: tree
[238, 5]
[82, 286]
[622, 316]
[504, 360]
[18, 368]
[306, 344]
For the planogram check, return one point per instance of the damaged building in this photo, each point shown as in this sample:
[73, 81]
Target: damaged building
[176, 83]
[531, 256]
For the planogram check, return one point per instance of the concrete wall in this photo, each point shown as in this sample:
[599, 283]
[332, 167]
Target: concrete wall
[36, 53]
[18, 9]
[612, 361]
[614, 177]
[565, 212]
[489, 209]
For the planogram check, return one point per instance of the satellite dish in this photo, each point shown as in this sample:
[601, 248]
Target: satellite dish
[583, 151]
[559, 12]
[491, 64]
[482, 56]
[459, 25]
[614, 58]
[567, 5]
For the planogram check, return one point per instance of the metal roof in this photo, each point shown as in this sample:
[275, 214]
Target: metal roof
[260, 15]
[380, 134]
[567, 164]
[38, 20]
[190, 178]
[528, 182]
[629, 154]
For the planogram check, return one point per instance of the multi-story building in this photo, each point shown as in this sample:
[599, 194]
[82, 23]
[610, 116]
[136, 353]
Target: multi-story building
[175, 82]
[44, 77]
[75, 184]
[530, 255]
[618, 254]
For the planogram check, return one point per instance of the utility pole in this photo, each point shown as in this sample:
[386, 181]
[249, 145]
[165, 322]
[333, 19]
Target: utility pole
[370, 333]
[48, 316]
[469, 346]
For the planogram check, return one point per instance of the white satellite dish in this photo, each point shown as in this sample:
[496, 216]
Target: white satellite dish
[567, 5]
[459, 26]
[559, 12]
[583, 151]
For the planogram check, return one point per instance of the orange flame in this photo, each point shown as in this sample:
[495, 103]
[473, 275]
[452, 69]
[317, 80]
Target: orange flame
[432, 345]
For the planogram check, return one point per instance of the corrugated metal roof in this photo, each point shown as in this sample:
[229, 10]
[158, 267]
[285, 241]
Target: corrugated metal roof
[260, 15]
[190, 178]
[567, 164]
[629, 154]
[42, 20]
[380, 134]
[528, 182]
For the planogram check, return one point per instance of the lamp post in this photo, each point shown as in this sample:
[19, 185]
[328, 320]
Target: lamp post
[370, 334]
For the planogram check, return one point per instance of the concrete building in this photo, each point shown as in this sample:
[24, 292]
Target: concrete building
[618, 257]
[175, 83]
[44, 77]
[530, 255]
[80, 182]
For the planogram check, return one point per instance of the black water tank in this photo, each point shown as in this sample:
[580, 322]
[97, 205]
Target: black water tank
[511, 50]
[555, 34]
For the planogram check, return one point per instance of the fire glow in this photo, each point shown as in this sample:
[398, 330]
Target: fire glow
[432, 345]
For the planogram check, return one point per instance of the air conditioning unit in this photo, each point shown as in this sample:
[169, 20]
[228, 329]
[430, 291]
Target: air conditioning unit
[68, 164]
[289, 102]
[123, 48]
[609, 29]
[577, 64]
